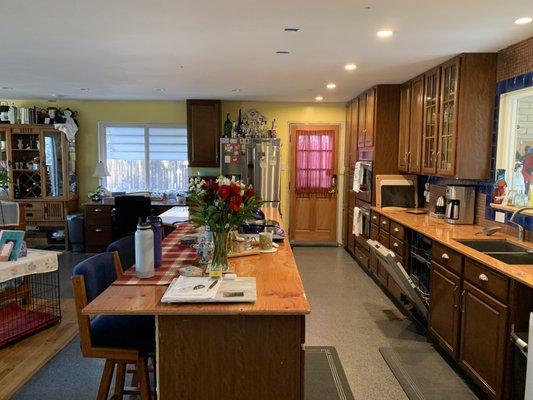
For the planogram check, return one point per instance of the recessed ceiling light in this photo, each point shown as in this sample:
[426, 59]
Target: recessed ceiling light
[84, 89]
[331, 85]
[7, 88]
[319, 98]
[523, 20]
[58, 96]
[384, 33]
[235, 90]
[350, 67]
[159, 90]
[282, 52]
[291, 29]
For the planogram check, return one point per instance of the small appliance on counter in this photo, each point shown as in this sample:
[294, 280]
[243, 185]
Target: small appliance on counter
[461, 203]
[440, 207]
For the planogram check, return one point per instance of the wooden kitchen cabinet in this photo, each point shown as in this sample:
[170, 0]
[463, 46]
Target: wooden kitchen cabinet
[444, 314]
[457, 108]
[416, 124]
[404, 126]
[353, 135]
[483, 338]
[203, 132]
[361, 120]
[370, 99]
[431, 126]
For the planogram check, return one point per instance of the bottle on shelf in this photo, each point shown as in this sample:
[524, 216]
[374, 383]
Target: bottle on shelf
[228, 126]
[240, 132]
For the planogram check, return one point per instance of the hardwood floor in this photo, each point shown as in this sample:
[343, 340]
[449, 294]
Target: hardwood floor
[19, 362]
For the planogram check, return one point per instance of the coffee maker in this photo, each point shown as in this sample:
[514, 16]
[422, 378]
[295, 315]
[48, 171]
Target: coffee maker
[460, 204]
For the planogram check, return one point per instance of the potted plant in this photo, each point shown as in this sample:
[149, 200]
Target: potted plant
[222, 205]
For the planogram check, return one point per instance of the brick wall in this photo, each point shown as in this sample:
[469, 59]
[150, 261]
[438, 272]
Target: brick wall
[515, 60]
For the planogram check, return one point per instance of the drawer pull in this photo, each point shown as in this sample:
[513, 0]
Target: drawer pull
[396, 230]
[384, 222]
[395, 244]
[483, 278]
[98, 230]
[97, 210]
[445, 256]
[374, 217]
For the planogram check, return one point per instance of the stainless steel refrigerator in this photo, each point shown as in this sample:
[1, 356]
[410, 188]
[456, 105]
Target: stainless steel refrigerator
[254, 161]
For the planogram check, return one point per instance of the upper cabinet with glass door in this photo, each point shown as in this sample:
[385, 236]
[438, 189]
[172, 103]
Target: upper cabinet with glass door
[54, 164]
[447, 120]
[431, 128]
[5, 175]
[457, 117]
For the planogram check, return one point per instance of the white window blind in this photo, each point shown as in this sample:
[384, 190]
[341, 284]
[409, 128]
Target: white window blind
[144, 157]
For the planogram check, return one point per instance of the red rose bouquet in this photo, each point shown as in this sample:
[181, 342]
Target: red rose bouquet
[221, 204]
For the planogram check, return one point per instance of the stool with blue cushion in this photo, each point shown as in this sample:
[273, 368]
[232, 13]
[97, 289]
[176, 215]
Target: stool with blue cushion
[120, 339]
[125, 247]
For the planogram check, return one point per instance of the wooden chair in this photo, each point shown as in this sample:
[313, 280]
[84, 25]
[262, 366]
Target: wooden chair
[125, 247]
[121, 340]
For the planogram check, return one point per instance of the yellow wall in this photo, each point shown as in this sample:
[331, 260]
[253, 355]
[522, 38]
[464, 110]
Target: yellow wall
[90, 113]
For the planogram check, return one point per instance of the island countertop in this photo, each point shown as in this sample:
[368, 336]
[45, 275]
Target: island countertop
[279, 292]
[449, 235]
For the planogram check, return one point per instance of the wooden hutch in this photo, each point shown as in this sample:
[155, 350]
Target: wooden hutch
[41, 165]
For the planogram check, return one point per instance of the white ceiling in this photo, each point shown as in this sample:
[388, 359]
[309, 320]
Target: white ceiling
[126, 49]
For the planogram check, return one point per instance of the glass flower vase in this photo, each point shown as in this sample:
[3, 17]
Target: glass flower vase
[219, 262]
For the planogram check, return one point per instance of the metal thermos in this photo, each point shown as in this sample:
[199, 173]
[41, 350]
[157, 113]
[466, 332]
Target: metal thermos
[144, 250]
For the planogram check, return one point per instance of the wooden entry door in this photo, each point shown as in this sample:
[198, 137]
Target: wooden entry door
[313, 188]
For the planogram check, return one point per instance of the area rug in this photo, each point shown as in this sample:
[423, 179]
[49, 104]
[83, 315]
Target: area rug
[70, 376]
[424, 374]
[324, 376]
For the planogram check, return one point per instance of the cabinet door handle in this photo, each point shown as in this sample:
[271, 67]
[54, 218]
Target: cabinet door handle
[98, 230]
[445, 256]
[461, 306]
[374, 217]
[455, 302]
[483, 278]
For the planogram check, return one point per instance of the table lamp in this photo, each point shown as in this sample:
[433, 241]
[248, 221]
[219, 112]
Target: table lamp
[100, 171]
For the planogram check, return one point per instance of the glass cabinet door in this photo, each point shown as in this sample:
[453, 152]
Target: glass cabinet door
[53, 163]
[430, 132]
[447, 120]
[4, 164]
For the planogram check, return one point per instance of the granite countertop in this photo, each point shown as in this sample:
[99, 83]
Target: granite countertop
[447, 234]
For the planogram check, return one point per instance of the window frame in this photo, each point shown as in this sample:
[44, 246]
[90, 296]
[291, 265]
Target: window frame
[102, 148]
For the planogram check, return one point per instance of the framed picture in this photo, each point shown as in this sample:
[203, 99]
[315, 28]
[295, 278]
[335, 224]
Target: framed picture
[14, 239]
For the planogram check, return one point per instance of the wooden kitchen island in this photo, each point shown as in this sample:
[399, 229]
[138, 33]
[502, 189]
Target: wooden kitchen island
[226, 351]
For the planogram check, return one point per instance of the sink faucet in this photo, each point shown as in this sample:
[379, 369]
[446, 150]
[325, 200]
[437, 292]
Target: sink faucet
[520, 227]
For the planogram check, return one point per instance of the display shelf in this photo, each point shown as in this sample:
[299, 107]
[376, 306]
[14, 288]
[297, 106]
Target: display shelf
[501, 207]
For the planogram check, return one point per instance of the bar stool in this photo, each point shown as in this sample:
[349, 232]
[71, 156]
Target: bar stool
[120, 339]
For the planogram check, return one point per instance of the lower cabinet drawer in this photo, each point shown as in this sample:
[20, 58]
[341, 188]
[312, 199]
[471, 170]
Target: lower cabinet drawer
[98, 215]
[361, 243]
[34, 214]
[383, 238]
[396, 245]
[362, 257]
[374, 264]
[374, 232]
[489, 281]
[98, 235]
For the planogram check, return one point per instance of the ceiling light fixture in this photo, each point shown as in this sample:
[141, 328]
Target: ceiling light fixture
[331, 85]
[350, 67]
[84, 89]
[291, 29]
[523, 20]
[384, 33]
[282, 52]
[159, 90]
[319, 98]
[235, 90]
[7, 88]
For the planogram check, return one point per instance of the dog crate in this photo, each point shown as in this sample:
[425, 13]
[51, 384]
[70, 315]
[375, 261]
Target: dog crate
[28, 304]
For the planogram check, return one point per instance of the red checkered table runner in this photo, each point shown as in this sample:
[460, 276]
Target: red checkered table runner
[175, 256]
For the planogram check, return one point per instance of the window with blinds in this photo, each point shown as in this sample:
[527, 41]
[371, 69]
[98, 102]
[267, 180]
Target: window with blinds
[144, 157]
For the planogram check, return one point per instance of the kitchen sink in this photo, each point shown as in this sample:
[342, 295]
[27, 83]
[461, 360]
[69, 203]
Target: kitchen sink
[513, 258]
[494, 246]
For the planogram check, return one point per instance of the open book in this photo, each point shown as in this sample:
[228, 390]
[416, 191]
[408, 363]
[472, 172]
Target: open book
[182, 290]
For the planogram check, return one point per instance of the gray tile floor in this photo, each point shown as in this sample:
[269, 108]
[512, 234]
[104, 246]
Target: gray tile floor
[349, 311]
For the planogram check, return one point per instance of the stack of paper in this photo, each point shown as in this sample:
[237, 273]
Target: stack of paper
[191, 289]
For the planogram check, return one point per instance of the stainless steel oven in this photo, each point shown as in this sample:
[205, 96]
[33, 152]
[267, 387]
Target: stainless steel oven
[365, 181]
[365, 217]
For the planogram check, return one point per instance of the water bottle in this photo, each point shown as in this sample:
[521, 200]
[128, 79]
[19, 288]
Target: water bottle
[157, 229]
[144, 250]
